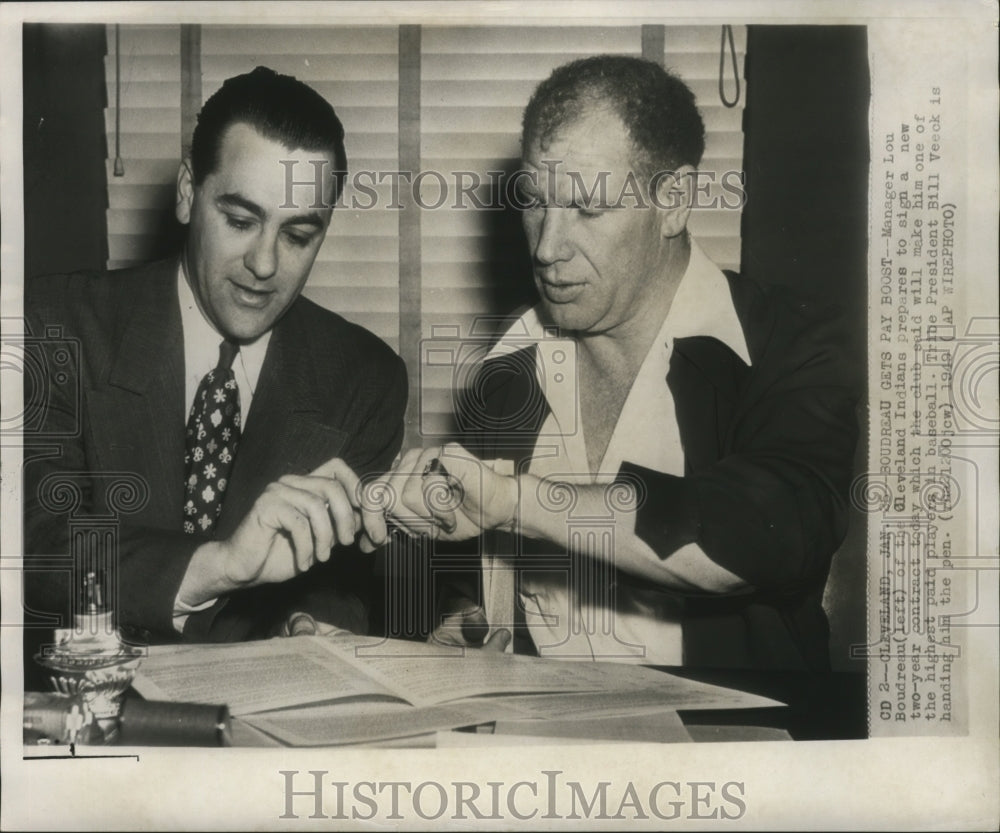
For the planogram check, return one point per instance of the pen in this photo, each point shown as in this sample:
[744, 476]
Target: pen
[435, 466]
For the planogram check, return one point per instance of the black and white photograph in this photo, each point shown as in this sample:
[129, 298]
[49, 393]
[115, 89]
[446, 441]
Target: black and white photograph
[489, 416]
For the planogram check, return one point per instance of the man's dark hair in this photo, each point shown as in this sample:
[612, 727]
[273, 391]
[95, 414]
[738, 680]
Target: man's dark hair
[280, 108]
[656, 107]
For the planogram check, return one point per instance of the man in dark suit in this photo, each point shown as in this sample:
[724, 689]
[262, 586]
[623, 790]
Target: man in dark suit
[676, 460]
[221, 419]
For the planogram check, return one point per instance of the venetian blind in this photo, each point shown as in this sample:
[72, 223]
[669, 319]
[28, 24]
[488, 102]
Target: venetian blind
[140, 202]
[693, 52]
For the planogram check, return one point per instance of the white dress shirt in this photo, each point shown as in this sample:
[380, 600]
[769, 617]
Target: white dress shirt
[201, 354]
[582, 614]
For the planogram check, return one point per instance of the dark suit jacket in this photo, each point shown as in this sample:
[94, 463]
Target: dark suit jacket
[327, 388]
[768, 452]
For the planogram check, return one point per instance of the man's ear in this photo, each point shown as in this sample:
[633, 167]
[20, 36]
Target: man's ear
[185, 192]
[673, 196]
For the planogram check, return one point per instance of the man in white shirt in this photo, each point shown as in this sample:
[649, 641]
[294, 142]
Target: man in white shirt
[678, 440]
[223, 536]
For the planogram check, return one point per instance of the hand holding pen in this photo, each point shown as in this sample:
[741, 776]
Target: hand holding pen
[443, 492]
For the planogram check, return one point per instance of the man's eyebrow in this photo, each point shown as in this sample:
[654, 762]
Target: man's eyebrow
[236, 201]
[311, 218]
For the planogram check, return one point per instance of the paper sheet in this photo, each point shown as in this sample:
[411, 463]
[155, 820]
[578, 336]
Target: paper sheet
[342, 723]
[263, 676]
[655, 727]
[251, 676]
[427, 674]
[587, 705]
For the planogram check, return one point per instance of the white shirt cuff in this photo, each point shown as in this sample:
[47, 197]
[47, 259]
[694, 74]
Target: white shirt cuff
[182, 610]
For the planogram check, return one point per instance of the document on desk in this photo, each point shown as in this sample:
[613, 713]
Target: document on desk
[403, 687]
[252, 676]
[353, 723]
[364, 722]
[581, 714]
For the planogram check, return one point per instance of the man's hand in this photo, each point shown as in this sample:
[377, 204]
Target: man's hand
[463, 623]
[443, 492]
[291, 526]
[302, 624]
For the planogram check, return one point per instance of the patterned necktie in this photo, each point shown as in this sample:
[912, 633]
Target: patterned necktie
[213, 433]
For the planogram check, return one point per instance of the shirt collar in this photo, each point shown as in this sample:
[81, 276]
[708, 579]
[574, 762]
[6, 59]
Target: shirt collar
[702, 306]
[201, 339]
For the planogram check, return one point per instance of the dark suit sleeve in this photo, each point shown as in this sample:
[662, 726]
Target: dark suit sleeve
[63, 486]
[339, 592]
[373, 449]
[773, 509]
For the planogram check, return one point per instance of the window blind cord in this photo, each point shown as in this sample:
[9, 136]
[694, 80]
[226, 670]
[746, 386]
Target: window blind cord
[119, 164]
[727, 31]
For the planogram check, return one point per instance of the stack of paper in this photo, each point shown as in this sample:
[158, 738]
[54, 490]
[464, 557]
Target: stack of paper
[321, 690]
